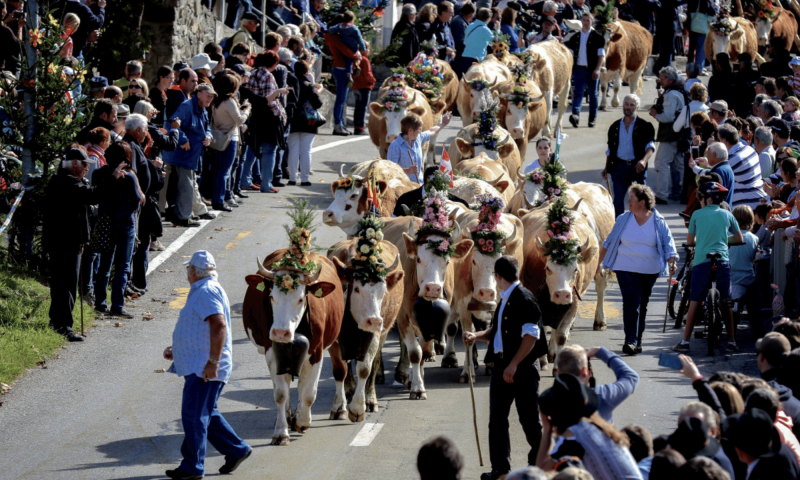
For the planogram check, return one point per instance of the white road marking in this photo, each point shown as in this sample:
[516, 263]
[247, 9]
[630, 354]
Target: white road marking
[336, 144]
[174, 246]
[366, 435]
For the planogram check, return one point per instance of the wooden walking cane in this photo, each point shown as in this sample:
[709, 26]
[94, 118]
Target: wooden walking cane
[474, 413]
[80, 300]
[414, 164]
[666, 310]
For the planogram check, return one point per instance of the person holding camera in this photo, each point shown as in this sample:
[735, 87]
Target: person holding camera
[630, 146]
[10, 34]
[668, 159]
[92, 14]
[588, 50]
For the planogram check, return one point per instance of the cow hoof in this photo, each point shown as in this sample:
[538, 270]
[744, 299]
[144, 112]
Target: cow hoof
[418, 396]
[450, 361]
[337, 415]
[602, 108]
[614, 103]
[401, 378]
[431, 359]
[301, 428]
[372, 407]
[599, 327]
[354, 417]
[282, 439]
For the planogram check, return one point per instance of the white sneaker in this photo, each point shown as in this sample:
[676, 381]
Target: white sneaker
[232, 203]
[156, 246]
[311, 172]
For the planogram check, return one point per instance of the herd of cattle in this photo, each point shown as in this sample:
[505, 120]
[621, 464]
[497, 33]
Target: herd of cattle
[351, 319]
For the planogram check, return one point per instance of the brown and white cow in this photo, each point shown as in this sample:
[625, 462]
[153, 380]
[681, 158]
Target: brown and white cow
[561, 284]
[427, 276]
[494, 72]
[370, 312]
[525, 121]
[271, 316]
[493, 172]
[552, 72]
[464, 147]
[475, 293]
[628, 46]
[350, 206]
[783, 24]
[384, 125]
[741, 39]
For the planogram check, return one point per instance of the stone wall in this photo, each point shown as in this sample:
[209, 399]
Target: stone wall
[181, 28]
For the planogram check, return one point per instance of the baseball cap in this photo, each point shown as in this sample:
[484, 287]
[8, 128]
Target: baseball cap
[712, 188]
[794, 61]
[760, 81]
[752, 432]
[720, 106]
[77, 154]
[180, 66]
[204, 87]
[239, 69]
[780, 126]
[773, 343]
[547, 18]
[98, 82]
[202, 260]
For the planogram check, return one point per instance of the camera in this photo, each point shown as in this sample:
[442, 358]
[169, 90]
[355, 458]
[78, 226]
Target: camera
[525, 21]
[17, 15]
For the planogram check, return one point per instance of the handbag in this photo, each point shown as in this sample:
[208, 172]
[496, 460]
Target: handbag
[699, 22]
[101, 235]
[685, 135]
[312, 115]
[219, 139]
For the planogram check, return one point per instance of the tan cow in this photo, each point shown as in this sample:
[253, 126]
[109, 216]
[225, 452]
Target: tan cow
[494, 72]
[370, 312]
[494, 172]
[450, 84]
[463, 148]
[741, 39]
[350, 205]
[552, 72]
[628, 46]
[384, 125]
[524, 121]
[783, 24]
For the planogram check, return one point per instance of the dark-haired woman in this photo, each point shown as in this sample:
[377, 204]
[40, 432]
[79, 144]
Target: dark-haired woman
[165, 77]
[226, 117]
[639, 249]
[119, 207]
[302, 134]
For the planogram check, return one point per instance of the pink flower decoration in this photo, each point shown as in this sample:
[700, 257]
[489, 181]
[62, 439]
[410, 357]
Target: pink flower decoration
[481, 241]
[444, 245]
[550, 189]
[558, 191]
[490, 243]
[565, 220]
[550, 232]
[490, 249]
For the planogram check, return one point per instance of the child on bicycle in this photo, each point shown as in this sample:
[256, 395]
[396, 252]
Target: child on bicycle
[710, 227]
[743, 274]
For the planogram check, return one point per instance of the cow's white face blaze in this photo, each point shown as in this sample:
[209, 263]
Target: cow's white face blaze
[287, 311]
[392, 120]
[515, 120]
[763, 29]
[365, 304]
[484, 286]
[721, 43]
[560, 281]
[493, 154]
[343, 210]
[532, 192]
[474, 103]
[431, 272]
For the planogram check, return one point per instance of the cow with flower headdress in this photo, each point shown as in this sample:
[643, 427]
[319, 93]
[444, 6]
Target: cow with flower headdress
[731, 35]
[395, 100]
[433, 77]
[771, 20]
[372, 276]
[491, 74]
[427, 257]
[475, 296]
[523, 109]
[292, 312]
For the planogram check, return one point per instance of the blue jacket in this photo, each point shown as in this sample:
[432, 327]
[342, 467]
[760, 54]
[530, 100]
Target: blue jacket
[195, 128]
[92, 18]
[666, 245]
[612, 395]
[476, 38]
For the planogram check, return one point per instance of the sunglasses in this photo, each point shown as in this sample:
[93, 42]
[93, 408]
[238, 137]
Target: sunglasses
[137, 87]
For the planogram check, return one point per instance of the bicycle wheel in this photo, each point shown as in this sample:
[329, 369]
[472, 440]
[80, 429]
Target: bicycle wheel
[713, 320]
[673, 290]
[683, 308]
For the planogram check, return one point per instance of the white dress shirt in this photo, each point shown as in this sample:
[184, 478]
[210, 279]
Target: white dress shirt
[527, 329]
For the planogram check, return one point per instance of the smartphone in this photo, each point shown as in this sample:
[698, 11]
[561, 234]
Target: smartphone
[695, 151]
[670, 361]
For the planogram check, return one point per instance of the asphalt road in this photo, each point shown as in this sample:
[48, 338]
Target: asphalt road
[101, 410]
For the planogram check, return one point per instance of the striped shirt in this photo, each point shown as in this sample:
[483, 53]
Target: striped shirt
[794, 82]
[748, 185]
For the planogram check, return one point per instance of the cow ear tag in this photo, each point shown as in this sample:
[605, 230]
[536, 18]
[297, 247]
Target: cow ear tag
[261, 287]
[318, 293]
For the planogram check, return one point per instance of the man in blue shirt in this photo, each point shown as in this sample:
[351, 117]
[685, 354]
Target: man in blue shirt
[716, 158]
[201, 353]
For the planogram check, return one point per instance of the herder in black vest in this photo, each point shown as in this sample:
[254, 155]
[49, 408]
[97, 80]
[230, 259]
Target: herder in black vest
[630, 146]
[516, 341]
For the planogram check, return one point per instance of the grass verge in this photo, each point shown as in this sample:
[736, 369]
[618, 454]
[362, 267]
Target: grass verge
[26, 340]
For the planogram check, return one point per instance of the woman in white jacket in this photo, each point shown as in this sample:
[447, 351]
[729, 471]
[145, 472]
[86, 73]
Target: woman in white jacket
[699, 95]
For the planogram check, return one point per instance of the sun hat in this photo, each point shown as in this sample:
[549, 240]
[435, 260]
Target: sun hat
[202, 60]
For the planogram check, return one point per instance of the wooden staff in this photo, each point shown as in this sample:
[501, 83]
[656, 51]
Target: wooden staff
[414, 164]
[80, 300]
[474, 412]
[664, 328]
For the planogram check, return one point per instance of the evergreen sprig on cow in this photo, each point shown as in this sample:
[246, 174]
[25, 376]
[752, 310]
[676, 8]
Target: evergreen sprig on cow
[561, 248]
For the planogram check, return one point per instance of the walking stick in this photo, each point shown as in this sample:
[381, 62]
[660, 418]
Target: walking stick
[666, 310]
[474, 413]
[80, 300]
[414, 164]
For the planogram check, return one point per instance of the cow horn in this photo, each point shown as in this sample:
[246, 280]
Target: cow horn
[413, 99]
[494, 182]
[351, 253]
[263, 271]
[534, 100]
[456, 235]
[504, 141]
[520, 174]
[491, 85]
[528, 204]
[395, 264]
[577, 204]
[539, 242]
[585, 245]
[513, 236]
[406, 210]
[341, 171]
[312, 278]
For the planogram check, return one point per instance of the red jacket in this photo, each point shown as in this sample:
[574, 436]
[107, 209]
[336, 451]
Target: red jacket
[366, 79]
[338, 50]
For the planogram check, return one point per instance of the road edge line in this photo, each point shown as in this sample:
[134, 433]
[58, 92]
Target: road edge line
[366, 435]
[336, 144]
[174, 246]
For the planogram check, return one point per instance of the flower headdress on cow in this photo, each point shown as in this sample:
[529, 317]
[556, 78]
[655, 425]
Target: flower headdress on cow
[500, 45]
[429, 48]
[347, 182]
[366, 259]
[535, 177]
[480, 84]
[296, 259]
[488, 239]
[487, 123]
[396, 96]
[435, 221]
[762, 9]
[425, 75]
[561, 247]
[519, 93]
[604, 18]
[723, 24]
[554, 181]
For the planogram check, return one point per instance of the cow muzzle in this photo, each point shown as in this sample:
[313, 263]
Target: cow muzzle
[280, 336]
[485, 295]
[431, 291]
[373, 324]
[562, 297]
[330, 218]
[517, 132]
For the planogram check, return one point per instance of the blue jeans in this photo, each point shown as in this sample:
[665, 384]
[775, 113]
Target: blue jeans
[250, 168]
[267, 152]
[223, 172]
[623, 177]
[360, 113]
[122, 237]
[202, 421]
[340, 75]
[90, 263]
[636, 289]
[697, 41]
[581, 80]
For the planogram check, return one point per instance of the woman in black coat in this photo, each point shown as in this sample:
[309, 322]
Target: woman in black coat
[404, 35]
[304, 125]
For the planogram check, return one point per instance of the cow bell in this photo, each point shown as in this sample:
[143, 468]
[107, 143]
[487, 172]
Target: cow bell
[431, 317]
[289, 357]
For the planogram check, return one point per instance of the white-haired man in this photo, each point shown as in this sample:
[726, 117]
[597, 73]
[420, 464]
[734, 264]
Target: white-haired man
[716, 158]
[762, 144]
[630, 146]
[201, 353]
[68, 197]
[668, 161]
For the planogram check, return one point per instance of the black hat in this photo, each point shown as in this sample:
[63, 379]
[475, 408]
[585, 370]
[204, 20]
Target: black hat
[98, 82]
[760, 81]
[180, 66]
[77, 154]
[780, 126]
[691, 439]
[567, 401]
[239, 69]
[752, 432]
[251, 16]
[712, 188]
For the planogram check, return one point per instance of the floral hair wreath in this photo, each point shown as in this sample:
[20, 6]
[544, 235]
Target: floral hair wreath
[435, 220]
[425, 75]
[561, 247]
[488, 239]
[296, 257]
[396, 96]
[367, 264]
[536, 177]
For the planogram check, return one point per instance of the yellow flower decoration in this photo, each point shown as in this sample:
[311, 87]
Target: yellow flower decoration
[36, 37]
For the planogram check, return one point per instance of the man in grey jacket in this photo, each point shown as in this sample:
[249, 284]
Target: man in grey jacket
[669, 161]
[574, 359]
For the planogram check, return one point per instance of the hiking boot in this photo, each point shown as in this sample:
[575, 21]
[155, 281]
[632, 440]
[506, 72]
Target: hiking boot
[156, 246]
[681, 348]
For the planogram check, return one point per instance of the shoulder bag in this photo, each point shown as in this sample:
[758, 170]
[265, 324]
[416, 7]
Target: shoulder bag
[699, 22]
[312, 115]
[101, 235]
[220, 139]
